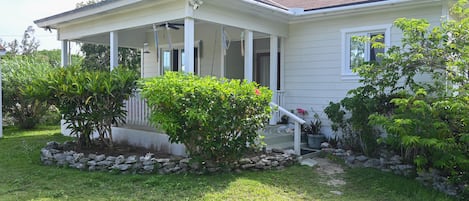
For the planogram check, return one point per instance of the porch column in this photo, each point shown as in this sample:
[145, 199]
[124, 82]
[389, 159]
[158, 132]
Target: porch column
[64, 54]
[114, 43]
[273, 73]
[248, 55]
[189, 45]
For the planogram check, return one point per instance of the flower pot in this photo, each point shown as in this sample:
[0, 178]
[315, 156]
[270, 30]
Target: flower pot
[314, 141]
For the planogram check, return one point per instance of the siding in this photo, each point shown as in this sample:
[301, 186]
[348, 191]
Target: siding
[313, 57]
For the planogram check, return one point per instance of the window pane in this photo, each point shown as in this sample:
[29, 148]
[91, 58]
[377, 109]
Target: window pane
[183, 60]
[357, 53]
[375, 51]
[166, 60]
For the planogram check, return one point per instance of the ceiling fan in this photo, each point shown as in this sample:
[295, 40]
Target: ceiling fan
[168, 25]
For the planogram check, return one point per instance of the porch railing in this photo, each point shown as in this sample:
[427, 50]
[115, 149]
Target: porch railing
[280, 102]
[298, 122]
[137, 112]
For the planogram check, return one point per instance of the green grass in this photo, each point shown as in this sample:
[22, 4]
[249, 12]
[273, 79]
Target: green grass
[23, 178]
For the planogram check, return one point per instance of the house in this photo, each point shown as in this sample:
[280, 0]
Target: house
[301, 49]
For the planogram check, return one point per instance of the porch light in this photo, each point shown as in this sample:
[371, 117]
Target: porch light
[145, 48]
[195, 4]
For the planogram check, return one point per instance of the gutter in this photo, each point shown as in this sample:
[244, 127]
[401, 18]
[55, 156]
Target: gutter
[269, 7]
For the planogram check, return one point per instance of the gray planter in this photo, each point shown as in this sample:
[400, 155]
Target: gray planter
[314, 141]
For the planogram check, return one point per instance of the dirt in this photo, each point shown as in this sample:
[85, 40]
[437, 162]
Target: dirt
[118, 149]
[331, 174]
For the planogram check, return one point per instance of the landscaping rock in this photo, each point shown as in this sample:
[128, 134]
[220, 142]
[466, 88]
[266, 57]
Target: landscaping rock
[362, 158]
[373, 163]
[309, 162]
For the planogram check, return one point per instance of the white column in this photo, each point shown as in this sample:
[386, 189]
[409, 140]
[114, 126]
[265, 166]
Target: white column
[114, 43]
[64, 54]
[248, 55]
[222, 52]
[189, 45]
[273, 73]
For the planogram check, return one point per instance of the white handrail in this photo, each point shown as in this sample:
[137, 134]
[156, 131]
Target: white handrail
[286, 112]
[298, 122]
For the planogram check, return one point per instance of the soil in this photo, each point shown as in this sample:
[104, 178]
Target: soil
[118, 149]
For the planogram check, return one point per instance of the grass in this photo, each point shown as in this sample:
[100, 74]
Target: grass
[23, 178]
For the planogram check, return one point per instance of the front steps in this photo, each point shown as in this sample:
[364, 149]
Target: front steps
[281, 137]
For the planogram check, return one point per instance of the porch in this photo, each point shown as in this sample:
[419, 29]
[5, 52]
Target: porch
[207, 39]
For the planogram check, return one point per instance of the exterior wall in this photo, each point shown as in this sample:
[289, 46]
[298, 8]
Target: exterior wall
[313, 57]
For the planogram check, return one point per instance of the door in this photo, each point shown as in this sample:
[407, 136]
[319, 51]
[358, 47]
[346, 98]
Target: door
[262, 69]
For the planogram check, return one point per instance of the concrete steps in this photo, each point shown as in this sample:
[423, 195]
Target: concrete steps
[278, 136]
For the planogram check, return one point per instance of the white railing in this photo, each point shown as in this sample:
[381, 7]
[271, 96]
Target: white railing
[137, 112]
[298, 122]
[280, 102]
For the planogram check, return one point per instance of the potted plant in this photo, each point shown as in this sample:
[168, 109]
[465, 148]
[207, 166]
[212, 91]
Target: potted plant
[313, 131]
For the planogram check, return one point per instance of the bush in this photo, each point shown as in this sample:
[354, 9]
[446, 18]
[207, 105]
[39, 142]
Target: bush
[17, 74]
[88, 100]
[214, 118]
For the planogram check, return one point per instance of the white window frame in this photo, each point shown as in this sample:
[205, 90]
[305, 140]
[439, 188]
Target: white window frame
[360, 31]
[179, 47]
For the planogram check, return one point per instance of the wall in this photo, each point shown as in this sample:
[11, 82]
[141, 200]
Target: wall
[313, 57]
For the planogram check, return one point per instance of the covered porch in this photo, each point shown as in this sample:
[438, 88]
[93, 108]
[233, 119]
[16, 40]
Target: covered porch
[232, 39]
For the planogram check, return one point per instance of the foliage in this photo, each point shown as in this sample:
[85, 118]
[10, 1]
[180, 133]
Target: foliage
[97, 57]
[430, 133]
[425, 120]
[54, 57]
[214, 118]
[88, 100]
[314, 127]
[17, 74]
[27, 46]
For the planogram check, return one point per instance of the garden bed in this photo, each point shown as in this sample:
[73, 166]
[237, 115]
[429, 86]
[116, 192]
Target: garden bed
[144, 161]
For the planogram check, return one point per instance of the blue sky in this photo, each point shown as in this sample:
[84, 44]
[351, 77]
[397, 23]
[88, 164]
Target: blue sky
[17, 15]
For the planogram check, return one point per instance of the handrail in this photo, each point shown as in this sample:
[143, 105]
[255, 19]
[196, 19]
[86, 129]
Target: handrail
[298, 122]
[286, 112]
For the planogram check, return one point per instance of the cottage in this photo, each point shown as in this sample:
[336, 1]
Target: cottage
[301, 49]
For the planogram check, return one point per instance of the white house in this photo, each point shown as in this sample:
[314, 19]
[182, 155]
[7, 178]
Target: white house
[301, 49]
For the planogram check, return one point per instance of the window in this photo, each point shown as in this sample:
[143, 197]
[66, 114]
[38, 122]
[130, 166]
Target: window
[174, 59]
[355, 53]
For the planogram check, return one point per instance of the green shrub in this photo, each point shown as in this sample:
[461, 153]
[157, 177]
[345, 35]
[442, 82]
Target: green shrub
[214, 118]
[88, 100]
[17, 74]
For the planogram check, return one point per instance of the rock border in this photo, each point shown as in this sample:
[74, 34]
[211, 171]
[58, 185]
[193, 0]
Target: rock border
[53, 154]
[390, 162]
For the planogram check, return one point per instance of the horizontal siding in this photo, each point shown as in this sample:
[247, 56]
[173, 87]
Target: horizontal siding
[313, 57]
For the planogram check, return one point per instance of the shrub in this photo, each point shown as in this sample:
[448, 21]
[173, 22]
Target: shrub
[17, 74]
[88, 100]
[214, 118]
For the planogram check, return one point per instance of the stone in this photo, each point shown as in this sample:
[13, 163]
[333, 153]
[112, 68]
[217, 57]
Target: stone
[260, 165]
[119, 159]
[396, 159]
[245, 161]
[169, 165]
[309, 162]
[248, 166]
[54, 151]
[268, 150]
[373, 162]
[325, 145]
[122, 167]
[100, 157]
[84, 160]
[276, 150]
[131, 159]
[185, 160]
[104, 163]
[148, 168]
[92, 156]
[148, 162]
[68, 145]
[91, 163]
[194, 165]
[350, 159]
[111, 158]
[59, 157]
[52, 145]
[212, 170]
[162, 160]
[46, 153]
[275, 163]
[362, 158]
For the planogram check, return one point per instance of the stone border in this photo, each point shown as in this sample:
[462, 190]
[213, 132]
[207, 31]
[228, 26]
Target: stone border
[390, 162]
[54, 154]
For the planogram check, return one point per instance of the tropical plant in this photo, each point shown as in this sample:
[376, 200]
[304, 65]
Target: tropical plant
[214, 118]
[17, 73]
[88, 100]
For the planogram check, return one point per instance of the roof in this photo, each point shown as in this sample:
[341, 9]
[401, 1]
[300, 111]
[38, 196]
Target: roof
[314, 4]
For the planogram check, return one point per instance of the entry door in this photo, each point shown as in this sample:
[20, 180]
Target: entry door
[262, 69]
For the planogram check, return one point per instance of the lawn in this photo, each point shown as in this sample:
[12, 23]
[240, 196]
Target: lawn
[23, 178]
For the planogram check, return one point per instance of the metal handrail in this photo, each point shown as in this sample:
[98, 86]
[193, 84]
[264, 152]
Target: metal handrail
[298, 122]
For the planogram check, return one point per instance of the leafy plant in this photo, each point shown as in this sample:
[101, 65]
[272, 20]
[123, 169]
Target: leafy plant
[314, 127]
[214, 118]
[17, 73]
[88, 100]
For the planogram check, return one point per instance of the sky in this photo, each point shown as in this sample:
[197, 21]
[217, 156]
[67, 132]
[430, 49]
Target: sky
[17, 15]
